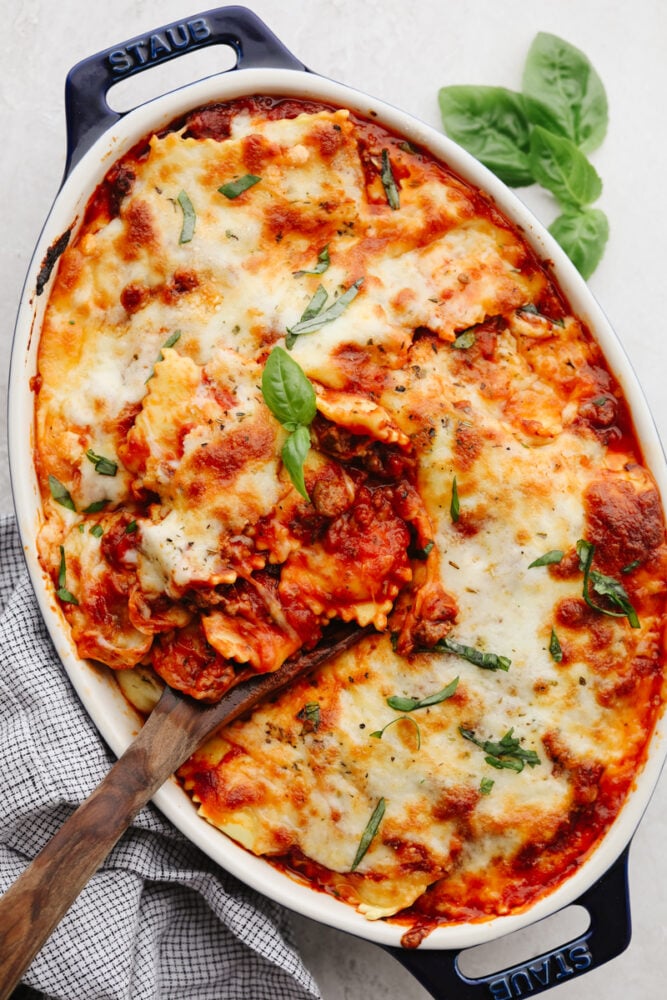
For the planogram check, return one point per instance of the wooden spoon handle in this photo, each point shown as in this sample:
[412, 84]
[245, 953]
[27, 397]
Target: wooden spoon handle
[36, 902]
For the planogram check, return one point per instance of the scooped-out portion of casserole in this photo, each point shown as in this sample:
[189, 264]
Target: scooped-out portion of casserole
[295, 371]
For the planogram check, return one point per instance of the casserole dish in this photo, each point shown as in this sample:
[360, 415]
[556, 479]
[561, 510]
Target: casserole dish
[88, 120]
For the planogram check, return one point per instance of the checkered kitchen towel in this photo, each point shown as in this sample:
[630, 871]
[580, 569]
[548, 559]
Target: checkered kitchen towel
[159, 920]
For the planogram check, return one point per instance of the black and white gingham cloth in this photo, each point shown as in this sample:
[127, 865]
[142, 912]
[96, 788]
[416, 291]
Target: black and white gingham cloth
[159, 921]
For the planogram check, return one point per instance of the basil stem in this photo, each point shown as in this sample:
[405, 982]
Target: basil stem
[62, 592]
[379, 733]
[389, 182]
[103, 466]
[605, 586]
[369, 833]
[504, 753]
[60, 493]
[314, 320]
[402, 704]
[553, 556]
[487, 661]
[189, 218]
[232, 189]
[323, 263]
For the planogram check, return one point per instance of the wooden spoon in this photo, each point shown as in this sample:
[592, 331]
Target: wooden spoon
[33, 906]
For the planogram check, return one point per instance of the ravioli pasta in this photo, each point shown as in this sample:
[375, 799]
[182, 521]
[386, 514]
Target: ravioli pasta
[473, 491]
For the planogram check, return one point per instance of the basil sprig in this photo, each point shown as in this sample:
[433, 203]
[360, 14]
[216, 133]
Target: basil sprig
[548, 559]
[487, 661]
[542, 135]
[604, 586]
[369, 833]
[189, 218]
[290, 396]
[504, 753]
[316, 316]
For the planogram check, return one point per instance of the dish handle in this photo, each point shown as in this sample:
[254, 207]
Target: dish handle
[608, 935]
[87, 113]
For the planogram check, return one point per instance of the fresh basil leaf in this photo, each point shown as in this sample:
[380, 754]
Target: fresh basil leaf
[287, 391]
[548, 559]
[583, 236]
[504, 753]
[379, 733]
[97, 530]
[485, 785]
[487, 661]
[60, 493]
[189, 218]
[561, 76]
[369, 833]
[555, 647]
[316, 320]
[491, 123]
[294, 454]
[402, 704]
[389, 182]
[313, 309]
[232, 189]
[454, 505]
[103, 466]
[560, 167]
[323, 262]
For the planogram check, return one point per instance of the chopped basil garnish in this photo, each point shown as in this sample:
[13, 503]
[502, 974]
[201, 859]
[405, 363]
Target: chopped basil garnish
[454, 506]
[104, 466]
[554, 556]
[96, 506]
[369, 833]
[410, 704]
[487, 661]
[189, 218]
[604, 586]
[97, 530]
[464, 340]
[62, 592]
[379, 733]
[315, 316]
[310, 715]
[323, 263]
[389, 182]
[424, 552]
[131, 528]
[485, 785]
[290, 396]
[505, 753]
[555, 647]
[232, 189]
[169, 342]
[632, 566]
[60, 494]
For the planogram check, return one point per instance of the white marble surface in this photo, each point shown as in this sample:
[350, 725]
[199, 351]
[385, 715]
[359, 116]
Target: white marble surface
[401, 52]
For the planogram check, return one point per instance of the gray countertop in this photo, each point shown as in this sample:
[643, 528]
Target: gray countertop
[403, 54]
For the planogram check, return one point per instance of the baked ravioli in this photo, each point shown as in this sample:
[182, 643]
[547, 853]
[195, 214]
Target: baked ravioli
[293, 372]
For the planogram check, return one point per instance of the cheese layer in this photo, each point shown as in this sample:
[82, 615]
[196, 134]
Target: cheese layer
[475, 492]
